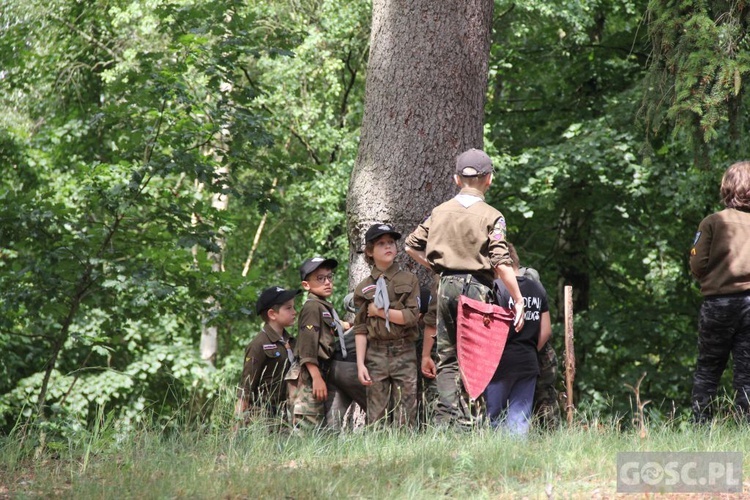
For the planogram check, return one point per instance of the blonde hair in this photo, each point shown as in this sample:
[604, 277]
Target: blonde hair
[735, 186]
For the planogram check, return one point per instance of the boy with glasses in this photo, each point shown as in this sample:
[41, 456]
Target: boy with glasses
[319, 328]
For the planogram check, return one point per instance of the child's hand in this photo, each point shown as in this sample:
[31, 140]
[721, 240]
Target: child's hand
[428, 367]
[363, 375]
[320, 391]
[372, 310]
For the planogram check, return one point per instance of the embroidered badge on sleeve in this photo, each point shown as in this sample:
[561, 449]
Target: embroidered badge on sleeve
[498, 232]
[693, 252]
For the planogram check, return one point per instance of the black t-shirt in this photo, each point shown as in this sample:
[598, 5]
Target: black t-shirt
[519, 357]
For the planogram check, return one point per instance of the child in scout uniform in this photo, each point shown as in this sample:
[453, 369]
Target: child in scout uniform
[262, 391]
[463, 240]
[386, 331]
[720, 261]
[511, 390]
[319, 329]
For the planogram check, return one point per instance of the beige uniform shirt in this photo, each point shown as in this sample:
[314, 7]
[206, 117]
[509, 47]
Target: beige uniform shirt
[464, 234]
[403, 292]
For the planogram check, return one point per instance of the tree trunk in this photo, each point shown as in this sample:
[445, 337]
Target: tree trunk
[424, 104]
[209, 345]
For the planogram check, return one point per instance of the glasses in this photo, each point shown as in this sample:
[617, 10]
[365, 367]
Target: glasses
[322, 278]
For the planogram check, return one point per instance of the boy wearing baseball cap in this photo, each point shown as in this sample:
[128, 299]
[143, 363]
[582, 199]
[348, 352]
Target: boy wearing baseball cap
[319, 329]
[463, 240]
[386, 331]
[262, 391]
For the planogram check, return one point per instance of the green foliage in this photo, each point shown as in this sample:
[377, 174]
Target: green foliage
[699, 61]
[122, 121]
[590, 202]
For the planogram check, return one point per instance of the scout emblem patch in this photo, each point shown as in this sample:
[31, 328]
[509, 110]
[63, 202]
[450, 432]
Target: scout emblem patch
[498, 232]
[695, 242]
[481, 332]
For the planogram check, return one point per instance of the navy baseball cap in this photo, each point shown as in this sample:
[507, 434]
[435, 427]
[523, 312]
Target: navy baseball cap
[273, 296]
[473, 163]
[377, 230]
[313, 263]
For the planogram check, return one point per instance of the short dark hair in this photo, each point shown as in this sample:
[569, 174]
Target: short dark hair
[514, 255]
[264, 314]
[735, 186]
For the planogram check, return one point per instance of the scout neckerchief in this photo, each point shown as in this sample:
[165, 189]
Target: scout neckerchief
[289, 352]
[339, 331]
[336, 324]
[381, 299]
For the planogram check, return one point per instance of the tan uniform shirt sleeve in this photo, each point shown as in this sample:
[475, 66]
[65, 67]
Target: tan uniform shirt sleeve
[418, 238]
[498, 246]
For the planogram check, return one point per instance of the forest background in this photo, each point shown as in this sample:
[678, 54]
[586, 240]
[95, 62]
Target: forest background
[164, 161]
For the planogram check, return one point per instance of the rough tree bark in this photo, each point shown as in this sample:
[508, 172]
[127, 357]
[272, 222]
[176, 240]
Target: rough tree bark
[424, 104]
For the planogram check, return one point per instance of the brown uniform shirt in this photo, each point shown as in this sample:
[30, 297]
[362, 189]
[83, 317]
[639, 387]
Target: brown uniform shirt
[464, 234]
[266, 363]
[403, 293]
[720, 257]
[316, 338]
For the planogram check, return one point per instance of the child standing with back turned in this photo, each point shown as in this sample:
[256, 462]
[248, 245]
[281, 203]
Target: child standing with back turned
[386, 331]
[720, 260]
[463, 240]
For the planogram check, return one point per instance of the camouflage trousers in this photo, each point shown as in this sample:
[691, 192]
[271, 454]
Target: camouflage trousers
[392, 365]
[546, 405]
[308, 413]
[453, 405]
[345, 389]
[724, 329]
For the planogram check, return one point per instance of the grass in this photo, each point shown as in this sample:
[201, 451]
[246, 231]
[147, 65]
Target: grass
[573, 462]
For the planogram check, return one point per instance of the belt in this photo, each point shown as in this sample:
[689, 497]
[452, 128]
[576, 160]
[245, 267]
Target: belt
[482, 280]
[391, 342]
